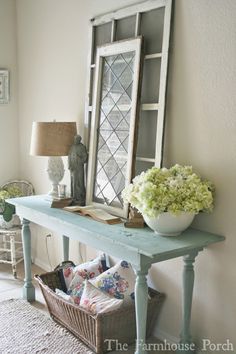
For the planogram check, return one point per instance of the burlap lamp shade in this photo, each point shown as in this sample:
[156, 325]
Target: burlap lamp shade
[53, 139]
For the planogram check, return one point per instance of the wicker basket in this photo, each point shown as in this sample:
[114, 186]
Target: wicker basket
[93, 330]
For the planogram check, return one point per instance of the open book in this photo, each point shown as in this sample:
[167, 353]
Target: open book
[94, 213]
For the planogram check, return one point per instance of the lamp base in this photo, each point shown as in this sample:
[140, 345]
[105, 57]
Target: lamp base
[55, 173]
[54, 191]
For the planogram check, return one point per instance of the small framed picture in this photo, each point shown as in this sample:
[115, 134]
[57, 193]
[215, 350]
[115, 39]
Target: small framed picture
[4, 86]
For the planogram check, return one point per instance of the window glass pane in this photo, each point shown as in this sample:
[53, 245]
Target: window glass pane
[125, 28]
[151, 80]
[152, 23]
[142, 166]
[114, 125]
[102, 35]
[147, 134]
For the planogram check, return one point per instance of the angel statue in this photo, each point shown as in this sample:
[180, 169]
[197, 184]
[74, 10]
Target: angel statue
[77, 157]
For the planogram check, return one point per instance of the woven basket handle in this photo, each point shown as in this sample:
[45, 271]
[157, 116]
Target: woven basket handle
[64, 264]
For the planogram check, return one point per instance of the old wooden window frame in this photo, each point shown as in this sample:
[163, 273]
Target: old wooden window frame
[151, 108]
[113, 49]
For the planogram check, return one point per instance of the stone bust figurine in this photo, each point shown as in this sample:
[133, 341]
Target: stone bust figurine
[76, 159]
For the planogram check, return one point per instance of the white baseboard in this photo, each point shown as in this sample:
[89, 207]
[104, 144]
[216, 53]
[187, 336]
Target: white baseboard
[45, 266]
[158, 333]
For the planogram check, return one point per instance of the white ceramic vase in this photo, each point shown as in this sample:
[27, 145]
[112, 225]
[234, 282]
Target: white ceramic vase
[168, 224]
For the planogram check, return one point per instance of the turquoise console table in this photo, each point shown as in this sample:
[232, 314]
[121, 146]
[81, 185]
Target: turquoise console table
[140, 247]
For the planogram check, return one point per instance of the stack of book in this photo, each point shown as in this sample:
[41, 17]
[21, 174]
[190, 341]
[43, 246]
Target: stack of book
[135, 219]
[61, 202]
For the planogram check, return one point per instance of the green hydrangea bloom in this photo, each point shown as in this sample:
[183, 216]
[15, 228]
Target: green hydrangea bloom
[7, 210]
[174, 190]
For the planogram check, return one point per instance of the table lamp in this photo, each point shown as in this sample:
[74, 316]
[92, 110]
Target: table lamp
[53, 139]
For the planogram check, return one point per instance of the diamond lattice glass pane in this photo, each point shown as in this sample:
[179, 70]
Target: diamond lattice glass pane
[109, 78]
[113, 129]
[131, 63]
[101, 179]
[102, 117]
[113, 142]
[103, 155]
[129, 91]
[127, 117]
[118, 182]
[121, 157]
[106, 125]
[105, 134]
[111, 168]
[109, 60]
[114, 118]
[97, 191]
[104, 92]
[108, 194]
[101, 143]
[107, 104]
[126, 77]
[123, 125]
[99, 166]
[124, 103]
[125, 143]
[116, 91]
[106, 67]
[119, 65]
[128, 57]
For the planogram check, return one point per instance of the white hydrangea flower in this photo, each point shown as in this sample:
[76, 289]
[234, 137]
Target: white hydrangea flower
[176, 189]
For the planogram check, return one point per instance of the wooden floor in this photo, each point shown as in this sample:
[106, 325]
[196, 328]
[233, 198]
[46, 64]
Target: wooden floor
[12, 288]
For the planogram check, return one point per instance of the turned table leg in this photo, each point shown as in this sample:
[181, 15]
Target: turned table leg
[65, 248]
[188, 282]
[141, 303]
[13, 255]
[28, 289]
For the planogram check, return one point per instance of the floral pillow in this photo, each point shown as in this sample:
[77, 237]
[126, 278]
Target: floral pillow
[77, 292]
[84, 271]
[96, 301]
[118, 281]
[67, 276]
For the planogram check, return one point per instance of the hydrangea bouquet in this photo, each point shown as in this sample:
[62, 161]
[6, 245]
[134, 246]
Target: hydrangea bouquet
[173, 190]
[6, 209]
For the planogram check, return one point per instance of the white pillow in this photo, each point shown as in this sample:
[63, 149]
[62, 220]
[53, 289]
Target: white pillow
[96, 301]
[64, 295]
[118, 281]
[84, 271]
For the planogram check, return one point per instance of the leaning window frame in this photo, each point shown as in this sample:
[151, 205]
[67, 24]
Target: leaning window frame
[119, 47]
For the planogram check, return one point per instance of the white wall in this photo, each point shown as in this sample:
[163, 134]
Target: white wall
[200, 130]
[53, 49]
[9, 157]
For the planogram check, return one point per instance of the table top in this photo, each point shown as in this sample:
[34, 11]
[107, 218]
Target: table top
[107, 237]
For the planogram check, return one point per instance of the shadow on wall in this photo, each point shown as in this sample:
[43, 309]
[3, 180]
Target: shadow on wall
[168, 281]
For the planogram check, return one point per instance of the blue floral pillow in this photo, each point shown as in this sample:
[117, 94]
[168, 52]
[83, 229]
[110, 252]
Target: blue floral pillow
[118, 281]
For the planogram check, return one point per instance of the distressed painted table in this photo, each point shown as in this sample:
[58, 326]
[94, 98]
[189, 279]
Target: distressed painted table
[141, 247]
